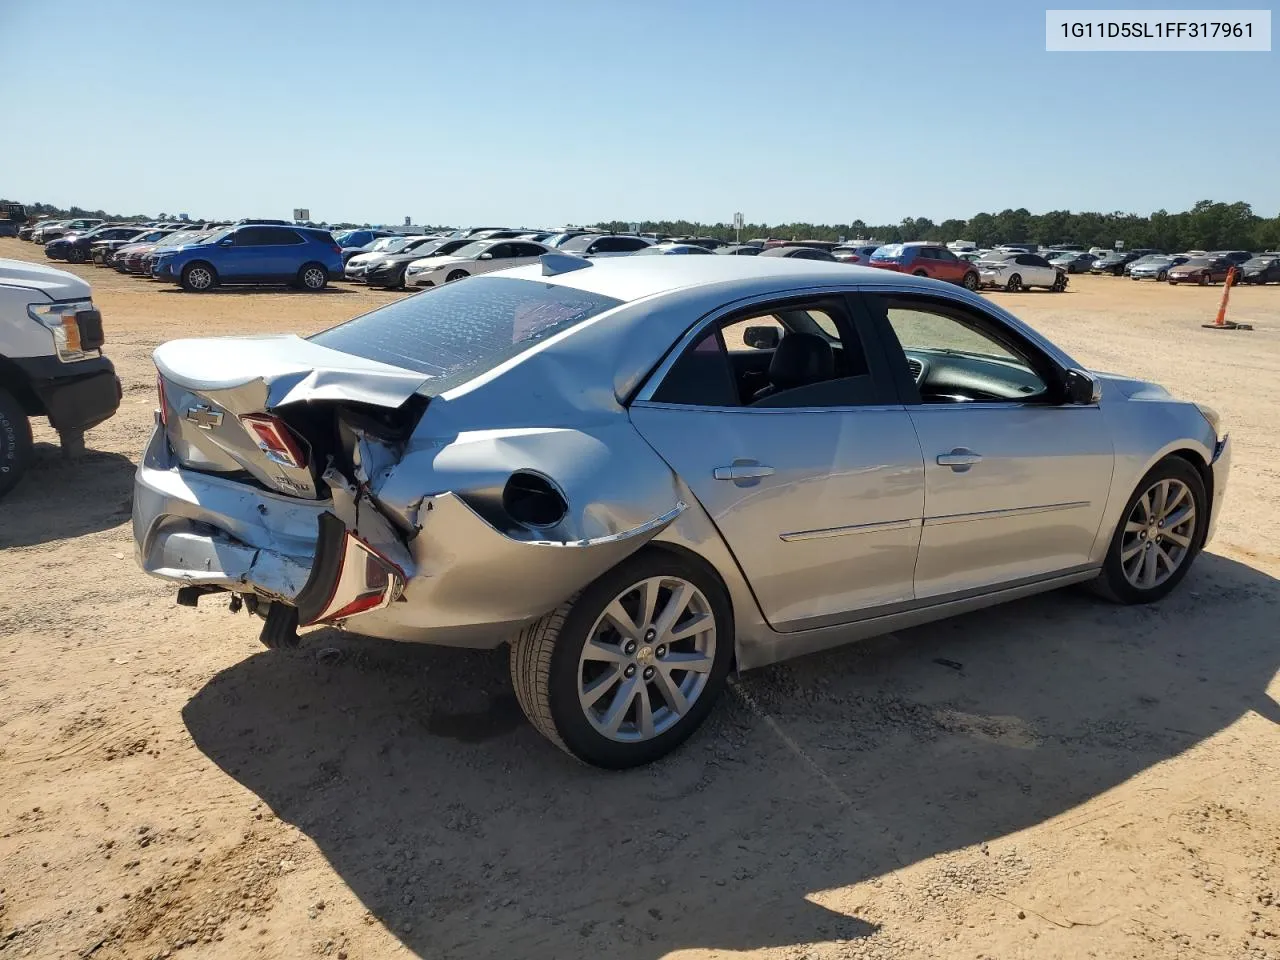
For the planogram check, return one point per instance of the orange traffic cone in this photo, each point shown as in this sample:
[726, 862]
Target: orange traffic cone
[1221, 322]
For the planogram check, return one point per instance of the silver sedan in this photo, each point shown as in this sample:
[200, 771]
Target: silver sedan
[648, 471]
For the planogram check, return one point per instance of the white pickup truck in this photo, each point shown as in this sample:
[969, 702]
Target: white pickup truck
[51, 362]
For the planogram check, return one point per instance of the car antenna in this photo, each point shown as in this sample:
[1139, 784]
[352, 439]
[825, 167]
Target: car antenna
[556, 263]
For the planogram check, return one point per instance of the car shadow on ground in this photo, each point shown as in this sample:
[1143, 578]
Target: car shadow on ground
[60, 498]
[468, 836]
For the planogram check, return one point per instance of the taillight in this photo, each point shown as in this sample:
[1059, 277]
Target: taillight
[337, 249]
[164, 403]
[275, 439]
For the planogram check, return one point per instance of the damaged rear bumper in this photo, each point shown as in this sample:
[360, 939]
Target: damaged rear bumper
[458, 581]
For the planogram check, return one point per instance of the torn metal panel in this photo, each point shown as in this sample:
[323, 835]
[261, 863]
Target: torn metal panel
[470, 575]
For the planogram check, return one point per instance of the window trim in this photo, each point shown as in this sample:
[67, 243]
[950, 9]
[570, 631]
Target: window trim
[878, 365]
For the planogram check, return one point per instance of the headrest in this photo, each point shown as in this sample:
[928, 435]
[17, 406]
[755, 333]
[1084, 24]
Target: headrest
[801, 358]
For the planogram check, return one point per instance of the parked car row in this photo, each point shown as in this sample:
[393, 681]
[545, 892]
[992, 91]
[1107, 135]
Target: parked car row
[201, 256]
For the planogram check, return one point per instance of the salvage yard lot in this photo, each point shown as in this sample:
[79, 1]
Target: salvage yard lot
[1058, 777]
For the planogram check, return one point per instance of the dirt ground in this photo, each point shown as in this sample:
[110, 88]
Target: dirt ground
[1056, 778]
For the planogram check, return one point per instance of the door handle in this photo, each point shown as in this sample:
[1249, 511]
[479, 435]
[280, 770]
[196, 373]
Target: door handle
[960, 459]
[743, 470]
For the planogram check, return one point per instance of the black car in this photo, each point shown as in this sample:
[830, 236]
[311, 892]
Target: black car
[77, 247]
[741, 250]
[1264, 269]
[799, 253]
[1235, 256]
[389, 272]
[1115, 262]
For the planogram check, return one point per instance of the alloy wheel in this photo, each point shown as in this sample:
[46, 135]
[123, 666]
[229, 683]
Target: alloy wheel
[313, 279]
[1158, 533]
[1015, 283]
[647, 659]
[200, 278]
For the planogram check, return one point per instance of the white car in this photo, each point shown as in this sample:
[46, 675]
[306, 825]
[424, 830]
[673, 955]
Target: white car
[603, 245]
[1017, 271]
[482, 256]
[361, 263]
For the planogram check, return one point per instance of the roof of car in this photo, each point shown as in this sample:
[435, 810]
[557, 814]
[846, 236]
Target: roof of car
[632, 278]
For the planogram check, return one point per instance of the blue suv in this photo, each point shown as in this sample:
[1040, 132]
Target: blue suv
[303, 257]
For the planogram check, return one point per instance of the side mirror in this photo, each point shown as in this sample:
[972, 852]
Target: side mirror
[1082, 388]
[485, 256]
[228, 242]
[761, 338]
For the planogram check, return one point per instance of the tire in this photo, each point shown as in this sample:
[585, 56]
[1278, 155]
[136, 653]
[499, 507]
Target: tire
[970, 281]
[456, 275]
[1059, 283]
[199, 277]
[551, 675]
[919, 273]
[1014, 283]
[1173, 282]
[1120, 586]
[15, 442]
[1162, 275]
[75, 255]
[1204, 280]
[313, 277]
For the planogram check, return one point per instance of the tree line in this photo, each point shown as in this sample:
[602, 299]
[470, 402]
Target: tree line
[1208, 225]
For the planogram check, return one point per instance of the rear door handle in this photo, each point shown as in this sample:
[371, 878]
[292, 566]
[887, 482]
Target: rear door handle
[743, 470]
[959, 459]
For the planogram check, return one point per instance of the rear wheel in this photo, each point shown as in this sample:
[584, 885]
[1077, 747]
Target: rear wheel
[456, 275]
[1014, 284]
[15, 442]
[625, 671]
[1160, 533]
[198, 277]
[313, 276]
[970, 281]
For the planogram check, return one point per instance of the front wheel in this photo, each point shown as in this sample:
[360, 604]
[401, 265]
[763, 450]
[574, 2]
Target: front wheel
[313, 276]
[1160, 533]
[624, 672]
[1162, 275]
[1059, 283]
[970, 281]
[75, 255]
[15, 442]
[456, 275]
[1204, 279]
[198, 277]
[1014, 284]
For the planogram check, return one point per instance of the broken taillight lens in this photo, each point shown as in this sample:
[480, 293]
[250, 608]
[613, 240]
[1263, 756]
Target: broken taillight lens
[275, 439]
[164, 404]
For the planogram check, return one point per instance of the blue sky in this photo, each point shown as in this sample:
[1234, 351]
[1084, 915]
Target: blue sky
[568, 111]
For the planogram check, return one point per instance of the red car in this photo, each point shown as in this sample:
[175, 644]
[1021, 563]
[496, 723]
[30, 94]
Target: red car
[1201, 270]
[926, 260]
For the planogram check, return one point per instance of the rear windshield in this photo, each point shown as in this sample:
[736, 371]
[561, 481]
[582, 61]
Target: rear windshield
[460, 330]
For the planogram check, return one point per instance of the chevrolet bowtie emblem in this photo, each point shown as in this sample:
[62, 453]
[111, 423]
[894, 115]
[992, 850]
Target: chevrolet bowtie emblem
[206, 418]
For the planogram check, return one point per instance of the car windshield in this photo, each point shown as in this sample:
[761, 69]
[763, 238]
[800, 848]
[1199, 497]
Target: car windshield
[579, 243]
[1197, 262]
[888, 252]
[458, 331]
[1260, 261]
[209, 238]
[473, 249]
